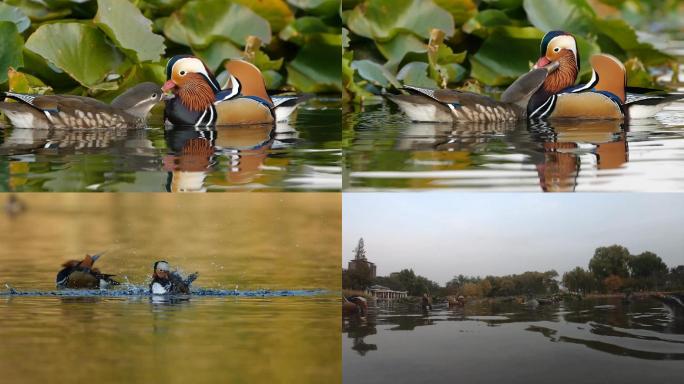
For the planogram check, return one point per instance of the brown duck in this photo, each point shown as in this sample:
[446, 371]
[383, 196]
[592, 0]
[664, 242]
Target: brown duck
[80, 274]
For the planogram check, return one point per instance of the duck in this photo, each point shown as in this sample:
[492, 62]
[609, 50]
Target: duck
[199, 100]
[450, 106]
[128, 110]
[605, 96]
[165, 282]
[354, 305]
[80, 274]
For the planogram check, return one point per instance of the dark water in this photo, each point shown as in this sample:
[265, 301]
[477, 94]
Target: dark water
[590, 341]
[303, 154]
[389, 152]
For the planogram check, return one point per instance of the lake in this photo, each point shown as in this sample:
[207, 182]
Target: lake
[268, 268]
[389, 152]
[303, 154]
[588, 341]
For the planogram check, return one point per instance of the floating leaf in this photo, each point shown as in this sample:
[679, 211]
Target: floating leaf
[461, 10]
[25, 83]
[375, 73]
[319, 7]
[37, 11]
[15, 15]
[81, 51]
[626, 39]
[310, 30]
[10, 49]
[395, 50]
[481, 24]
[415, 74]
[316, 69]
[129, 29]
[217, 52]
[575, 16]
[198, 24]
[276, 12]
[637, 75]
[382, 20]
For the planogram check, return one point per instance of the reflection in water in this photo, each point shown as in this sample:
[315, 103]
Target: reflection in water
[304, 153]
[573, 338]
[388, 151]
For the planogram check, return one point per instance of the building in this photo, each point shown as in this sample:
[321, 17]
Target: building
[384, 293]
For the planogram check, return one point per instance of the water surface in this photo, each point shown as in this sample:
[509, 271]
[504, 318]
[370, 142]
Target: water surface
[590, 341]
[303, 154]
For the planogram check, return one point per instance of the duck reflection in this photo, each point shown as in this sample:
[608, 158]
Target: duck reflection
[194, 152]
[20, 141]
[358, 328]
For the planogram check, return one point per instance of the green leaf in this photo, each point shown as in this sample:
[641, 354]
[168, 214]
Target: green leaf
[395, 50]
[15, 15]
[199, 23]
[482, 22]
[382, 20]
[624, 36]
[375, 73]
[316, 69]
[37, 11]
[415, 73]
[637, 75]
[276, 12]
[217, 52]
[25, 83]
[318, 7]
[310, 30]
[461, 10]
[129, 29]
[10, 49]
[575, 16]
[81, 51]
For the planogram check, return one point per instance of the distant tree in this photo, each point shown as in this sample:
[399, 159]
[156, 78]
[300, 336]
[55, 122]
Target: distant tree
[579, 280]
[648, 270]
[613, 283]
[608, 261]
[358, 278]
[675, 279]
[360, 250]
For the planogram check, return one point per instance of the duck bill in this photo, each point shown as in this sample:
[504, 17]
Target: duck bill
[168, 86]
[542, 62]
[97, 256]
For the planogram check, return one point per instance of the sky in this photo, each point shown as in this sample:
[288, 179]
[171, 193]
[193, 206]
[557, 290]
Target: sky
[440, 235]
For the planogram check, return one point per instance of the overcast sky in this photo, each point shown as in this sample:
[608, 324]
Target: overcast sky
[440, 235]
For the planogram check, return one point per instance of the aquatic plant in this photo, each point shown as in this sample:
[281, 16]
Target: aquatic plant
[471, 44]
[101, 47]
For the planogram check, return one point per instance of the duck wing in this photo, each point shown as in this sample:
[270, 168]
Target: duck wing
[526, 85]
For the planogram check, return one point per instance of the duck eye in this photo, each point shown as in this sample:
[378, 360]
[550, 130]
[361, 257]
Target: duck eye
[154, 96]
[182, 73]
[557, 49]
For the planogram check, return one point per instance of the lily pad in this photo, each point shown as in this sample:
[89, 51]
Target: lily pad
[276, 12]
[15, 15]
[10, 49]
[198, 24]
[217, 52]
[395, 50]
[316, 69]
[382, 20]
[37, 11]
[461, 10]
[310, 30]
[319, 7]
[625, 37]
[574, 16]
[25, 83]
[129, 29]
[81, 51]
[375, 73]
[415, 74]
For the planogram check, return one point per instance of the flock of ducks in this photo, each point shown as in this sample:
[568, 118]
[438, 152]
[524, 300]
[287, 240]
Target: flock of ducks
[81, 274]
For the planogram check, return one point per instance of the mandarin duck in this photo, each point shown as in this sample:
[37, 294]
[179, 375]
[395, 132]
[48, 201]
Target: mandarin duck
[354, 305]
[81, 274]
[199, 101]
[604, 96]
[128, 110]
[165, 282]
[449, 106]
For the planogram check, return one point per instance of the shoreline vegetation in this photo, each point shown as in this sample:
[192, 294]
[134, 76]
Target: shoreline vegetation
[611, 272]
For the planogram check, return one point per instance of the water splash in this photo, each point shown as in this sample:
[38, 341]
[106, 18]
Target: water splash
[130, 290]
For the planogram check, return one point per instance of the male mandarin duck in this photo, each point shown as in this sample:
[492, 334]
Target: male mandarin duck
[166, 282]
[605, 96]
[200, 102]
[81, 274]
[128, 110]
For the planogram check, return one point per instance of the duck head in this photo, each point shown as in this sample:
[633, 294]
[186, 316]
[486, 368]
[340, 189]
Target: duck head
[561, 48]
[161, 270]
[140, 99]
[191, 82]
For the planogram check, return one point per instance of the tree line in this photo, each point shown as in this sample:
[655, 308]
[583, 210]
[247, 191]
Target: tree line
[611, 269]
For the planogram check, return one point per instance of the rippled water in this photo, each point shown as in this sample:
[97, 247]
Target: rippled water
[268, 268]
[303, 154]
[389, 152]
[589, 341]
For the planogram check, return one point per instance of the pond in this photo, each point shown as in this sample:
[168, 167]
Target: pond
[389, 152]
[303, 154]
[588, 341]
[265, 288]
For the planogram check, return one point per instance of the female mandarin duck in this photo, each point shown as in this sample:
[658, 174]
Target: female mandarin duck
[81, 274]
[128, 110]
[199, 100]
[166, 282]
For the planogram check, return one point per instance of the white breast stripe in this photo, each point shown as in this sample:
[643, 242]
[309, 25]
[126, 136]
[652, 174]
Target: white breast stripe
[541, 107]
[47, 114]
[552, 103]
[211, 115]
[590, 84]
[199, 121]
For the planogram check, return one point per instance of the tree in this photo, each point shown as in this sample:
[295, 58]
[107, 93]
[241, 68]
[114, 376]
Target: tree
[360, 251]
[647, 269]
[579, 280]
[358, 278]
[610, 260]
[613, 283]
